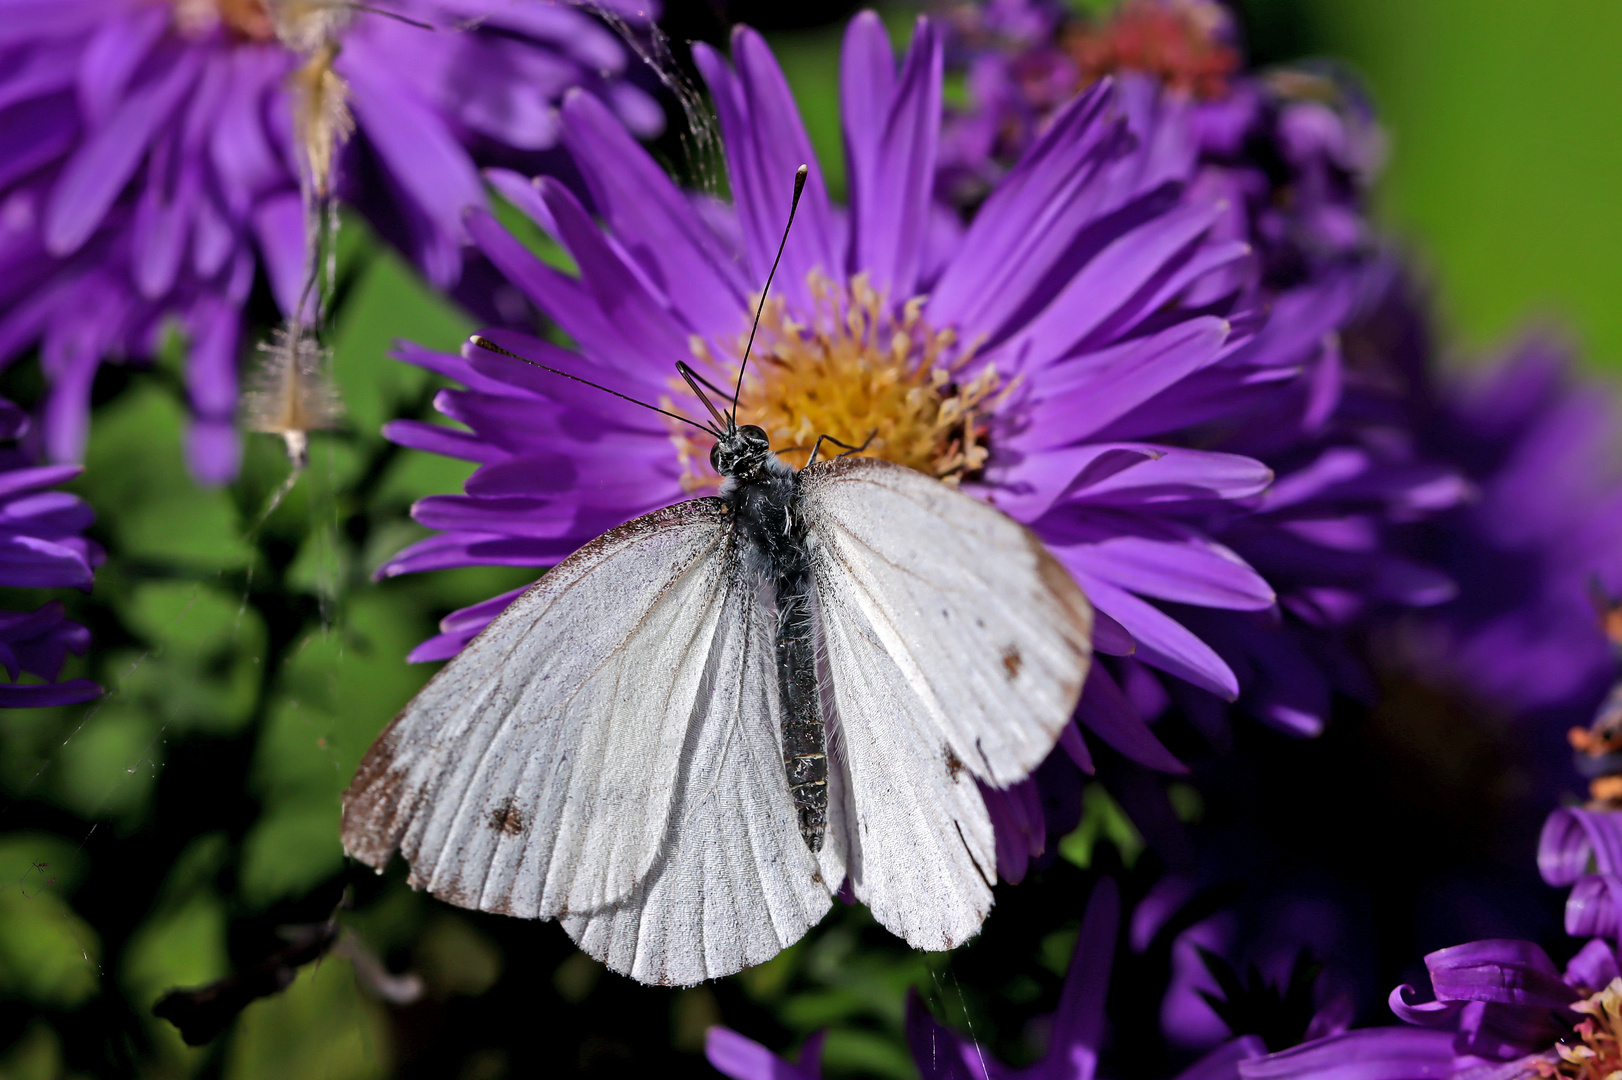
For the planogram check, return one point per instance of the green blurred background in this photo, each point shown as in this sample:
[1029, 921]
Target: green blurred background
[1505, 177]
[159, 837]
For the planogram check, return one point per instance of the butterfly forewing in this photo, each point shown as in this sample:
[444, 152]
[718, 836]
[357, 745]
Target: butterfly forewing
[956, 648]
[535, 774]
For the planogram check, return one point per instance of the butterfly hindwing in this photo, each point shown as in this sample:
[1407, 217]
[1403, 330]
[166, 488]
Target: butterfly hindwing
[734, 883]
[956, 648]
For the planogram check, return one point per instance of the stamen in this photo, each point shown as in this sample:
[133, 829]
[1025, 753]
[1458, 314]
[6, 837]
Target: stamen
[855, 368]
[1594, 1049]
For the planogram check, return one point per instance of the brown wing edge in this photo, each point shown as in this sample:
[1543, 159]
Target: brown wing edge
[1078, 612]
[376, 807]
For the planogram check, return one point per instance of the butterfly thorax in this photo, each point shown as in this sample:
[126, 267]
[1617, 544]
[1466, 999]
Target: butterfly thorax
[761, 491]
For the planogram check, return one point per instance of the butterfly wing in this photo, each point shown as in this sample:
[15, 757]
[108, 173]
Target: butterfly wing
[733, 883]
[599, 754]
[956, 651]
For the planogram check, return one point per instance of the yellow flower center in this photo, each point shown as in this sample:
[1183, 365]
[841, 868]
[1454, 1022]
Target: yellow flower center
[858, 371]
[301, 25]
[1593, 1051]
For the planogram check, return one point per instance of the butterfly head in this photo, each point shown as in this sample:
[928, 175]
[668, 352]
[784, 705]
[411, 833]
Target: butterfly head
[741, 451]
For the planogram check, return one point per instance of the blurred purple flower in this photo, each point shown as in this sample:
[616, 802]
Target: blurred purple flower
[1046, 357]
[1288, 942]
[1024, 59]
[1539, 443]
[1291, 153]
[1075, 1031]
[154, 160]
[1495, 1002]
[42, 546]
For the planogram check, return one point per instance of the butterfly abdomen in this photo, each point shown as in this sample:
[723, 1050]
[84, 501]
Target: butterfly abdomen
[763, 499]
[805, 735]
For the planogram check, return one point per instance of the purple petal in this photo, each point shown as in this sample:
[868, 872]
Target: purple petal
[1018, 827]
[105, 162]
[745, 1059]
[765, 143]
[1593, 968]
[565, 389]
[37, 478]
[1223, 1062]
[890, 202]
[943, 1054]
[1187, 571]
[1094, 396]
[1078, 1023]
[1162, 641]
[423, 159]
[278, 225]
[665, 235]
[1110, 637]
[520, 190]
[1106, 712]
[1501, 972]
[645, 325]
[1101, 294]
[1031, 219]
[213, 451]
[112, 54]
[1393, 1053]
[35, 696]
[1573, 838]
[866, 86]
[1027, 489]
[1594, 906]
[36, 563]
[438, 439]
[1175, 474]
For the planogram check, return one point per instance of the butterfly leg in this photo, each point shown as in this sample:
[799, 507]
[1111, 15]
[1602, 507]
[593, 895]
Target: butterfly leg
[849, 449]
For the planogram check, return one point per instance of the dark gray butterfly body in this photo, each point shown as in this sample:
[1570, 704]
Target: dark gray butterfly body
[760, 491]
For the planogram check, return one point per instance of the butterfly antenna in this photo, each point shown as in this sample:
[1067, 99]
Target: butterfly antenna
[489, 346]
[722, 420]
[799, 186]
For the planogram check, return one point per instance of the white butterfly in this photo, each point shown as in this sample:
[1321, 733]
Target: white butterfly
[685, 737]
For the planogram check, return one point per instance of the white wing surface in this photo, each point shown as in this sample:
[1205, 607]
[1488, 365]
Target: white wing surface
[606, 753]
[734, 883]
[956, 649]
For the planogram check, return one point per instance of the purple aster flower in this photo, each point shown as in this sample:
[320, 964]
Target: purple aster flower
[1075, 1039]
[155, 154]
[1538, 441]
[1047, 358]
[1501, 1009]
[1024, 59]
[41, 547]
[1291, 152]
[1334, 534]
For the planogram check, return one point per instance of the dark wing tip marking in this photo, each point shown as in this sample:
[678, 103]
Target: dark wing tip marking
[372, 805]
[1077, 609]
